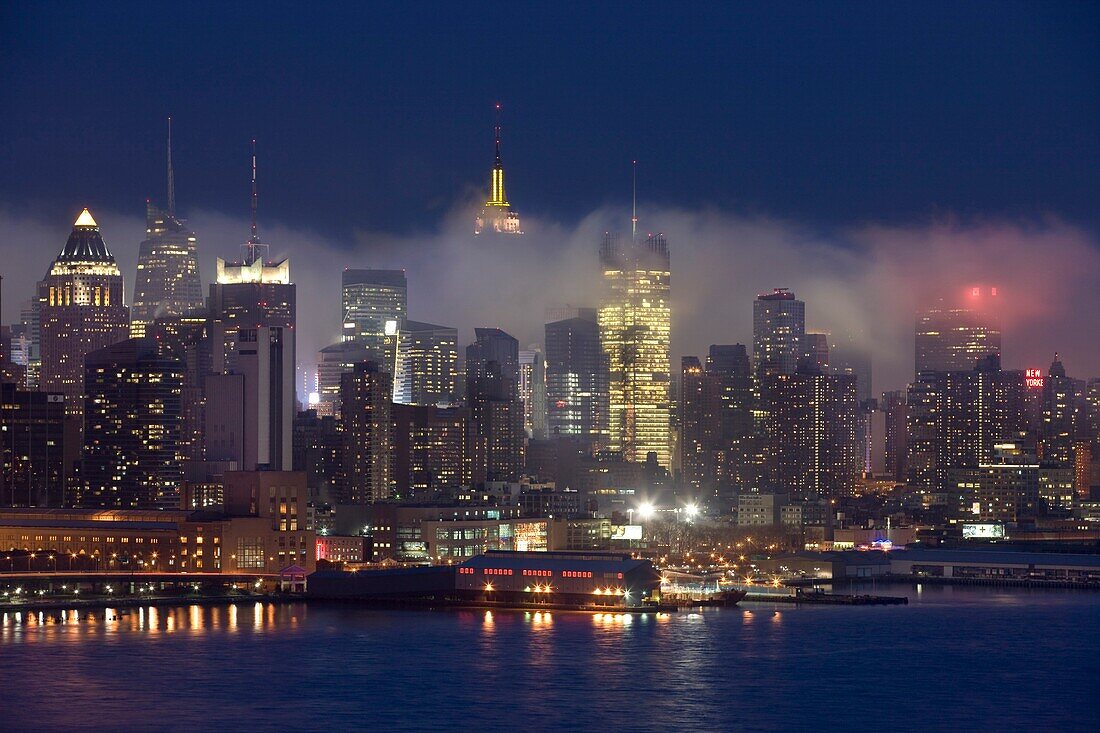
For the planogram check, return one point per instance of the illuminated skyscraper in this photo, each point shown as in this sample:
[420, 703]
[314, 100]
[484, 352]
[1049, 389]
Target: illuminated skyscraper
[252, 293]
[956, 418]
[497, 216]
[375, 306]
[167, 282]
[576, 379]
[132, 420]
[635, 327]
[426, 356]
[813, 450]
[954, 338]
[82, 310]
[778, 332]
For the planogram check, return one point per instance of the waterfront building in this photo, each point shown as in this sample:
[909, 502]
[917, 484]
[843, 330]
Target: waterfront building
[951, 338]
[635, 322]
[132, 424]
[375, 307]
[575, 578]
[532, 392]
[576, 380]
[1005, 489]
[82, 310]
[34, 472]
[426, 365]
[497, 216]
[366, 420]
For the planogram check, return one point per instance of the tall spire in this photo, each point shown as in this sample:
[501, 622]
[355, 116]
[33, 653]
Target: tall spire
[254, 239]
[634, 205]
[496, 133]
[171, 175]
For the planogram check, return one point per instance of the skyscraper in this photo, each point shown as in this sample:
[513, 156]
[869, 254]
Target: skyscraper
[82, 311]
[1063, 414]
[739, 457]
[815, 350]
[426, 364]
[778, 332]
[897, 433]
[333, 362]
[132, 420]
[251, 293]
[576, 380]
[635, 321]
[365, 415]
[375, 306]
[497, 216]
[811, 426]
[167, 282]
[431, 450]
[700, 424]
[953, 338]
[956, 418]
[532, 392]
[250, 408]
[492, 393]
[34, 472]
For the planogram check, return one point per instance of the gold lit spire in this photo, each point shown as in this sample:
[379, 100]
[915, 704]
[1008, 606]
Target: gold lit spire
[85, 219]
[497, 215]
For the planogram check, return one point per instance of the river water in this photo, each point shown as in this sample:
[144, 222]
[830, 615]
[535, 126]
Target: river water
[953, 659]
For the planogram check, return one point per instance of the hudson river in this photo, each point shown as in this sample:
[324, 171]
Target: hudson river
[954, 659]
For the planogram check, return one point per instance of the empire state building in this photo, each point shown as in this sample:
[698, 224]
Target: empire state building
[497, 216]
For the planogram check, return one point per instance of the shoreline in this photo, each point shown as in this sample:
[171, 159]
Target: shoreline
[80, 604]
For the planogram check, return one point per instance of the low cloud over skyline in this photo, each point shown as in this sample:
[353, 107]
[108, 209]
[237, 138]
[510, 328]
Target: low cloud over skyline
[864, 281]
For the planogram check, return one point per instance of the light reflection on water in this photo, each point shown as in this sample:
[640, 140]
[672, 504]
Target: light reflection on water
[904, 668]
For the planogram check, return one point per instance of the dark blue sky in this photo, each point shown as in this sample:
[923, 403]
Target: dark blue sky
[378, 116]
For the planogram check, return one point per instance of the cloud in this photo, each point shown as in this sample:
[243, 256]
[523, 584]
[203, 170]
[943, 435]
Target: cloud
[864, 281]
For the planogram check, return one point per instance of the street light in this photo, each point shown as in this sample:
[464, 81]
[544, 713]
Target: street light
[691, 511]
[645, 510]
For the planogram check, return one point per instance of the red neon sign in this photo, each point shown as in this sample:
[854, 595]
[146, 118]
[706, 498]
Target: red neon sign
[1033, 378]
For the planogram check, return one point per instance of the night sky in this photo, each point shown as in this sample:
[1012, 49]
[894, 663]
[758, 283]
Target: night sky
[379, 115]
[871, 156]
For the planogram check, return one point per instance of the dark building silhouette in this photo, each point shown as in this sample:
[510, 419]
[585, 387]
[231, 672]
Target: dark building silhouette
[576, 380]
[32, 435]
[365, 405]
[132, 421]
[492, 394]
